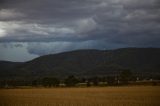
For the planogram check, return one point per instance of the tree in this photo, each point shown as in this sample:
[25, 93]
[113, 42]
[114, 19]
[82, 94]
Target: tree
[48, 82]
[88, 84]
[125, 76]
[95, 81]
[110, 80]
[71, 81]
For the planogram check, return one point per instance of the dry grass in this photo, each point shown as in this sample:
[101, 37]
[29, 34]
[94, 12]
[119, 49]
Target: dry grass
[104, 96]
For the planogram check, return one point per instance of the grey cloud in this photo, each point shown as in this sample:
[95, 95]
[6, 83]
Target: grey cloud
[119, 22]
[7, 14]
[43, 48]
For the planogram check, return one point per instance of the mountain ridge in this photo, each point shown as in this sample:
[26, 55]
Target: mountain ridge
[88, 62]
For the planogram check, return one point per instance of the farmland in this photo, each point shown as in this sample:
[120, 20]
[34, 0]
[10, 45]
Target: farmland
[92, 96]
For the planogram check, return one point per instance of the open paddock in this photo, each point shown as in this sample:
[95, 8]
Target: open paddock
[92, 96]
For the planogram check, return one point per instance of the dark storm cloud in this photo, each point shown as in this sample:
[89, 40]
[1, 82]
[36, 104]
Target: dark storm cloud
[101, 23]
[12, 45]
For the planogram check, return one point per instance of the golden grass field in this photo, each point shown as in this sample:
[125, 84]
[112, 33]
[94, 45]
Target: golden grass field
[100, 96]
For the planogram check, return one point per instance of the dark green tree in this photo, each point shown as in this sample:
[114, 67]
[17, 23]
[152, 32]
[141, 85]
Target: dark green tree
[71, 81]
[125, 76]
[88, 83]
[95, 81]
[49, 82]
[110, 80]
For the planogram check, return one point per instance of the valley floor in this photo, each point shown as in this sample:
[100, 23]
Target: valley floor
[93, 96]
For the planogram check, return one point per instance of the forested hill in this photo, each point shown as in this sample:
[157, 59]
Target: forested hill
[142, 61]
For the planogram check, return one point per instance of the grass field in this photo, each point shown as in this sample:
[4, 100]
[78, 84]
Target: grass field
[102, 96]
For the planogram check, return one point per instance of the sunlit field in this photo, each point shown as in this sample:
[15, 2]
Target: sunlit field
[93, 96]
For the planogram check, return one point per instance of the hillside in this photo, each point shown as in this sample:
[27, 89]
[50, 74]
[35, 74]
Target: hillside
[142, 61]
[7, 68]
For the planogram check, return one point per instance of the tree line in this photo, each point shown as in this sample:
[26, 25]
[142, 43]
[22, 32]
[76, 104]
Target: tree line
[124, 78]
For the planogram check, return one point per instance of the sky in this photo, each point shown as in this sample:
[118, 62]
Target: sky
[31, 28]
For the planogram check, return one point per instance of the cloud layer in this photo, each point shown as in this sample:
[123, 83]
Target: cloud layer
[73, 24]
